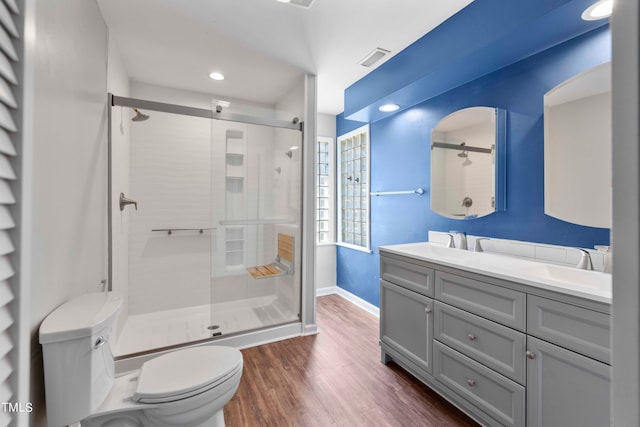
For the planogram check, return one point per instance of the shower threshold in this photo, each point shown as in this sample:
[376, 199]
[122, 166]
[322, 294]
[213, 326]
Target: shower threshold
[149, 331]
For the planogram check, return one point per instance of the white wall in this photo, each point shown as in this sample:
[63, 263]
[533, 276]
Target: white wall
[68, 224]
[326, 270]
[625, 322]
[118, 84]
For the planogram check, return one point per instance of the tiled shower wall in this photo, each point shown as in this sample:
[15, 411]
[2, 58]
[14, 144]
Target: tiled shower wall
[170, 178]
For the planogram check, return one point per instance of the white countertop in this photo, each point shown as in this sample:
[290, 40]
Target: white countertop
[592, 285]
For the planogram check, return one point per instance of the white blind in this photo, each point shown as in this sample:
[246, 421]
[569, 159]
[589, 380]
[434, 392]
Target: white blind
[9, 35]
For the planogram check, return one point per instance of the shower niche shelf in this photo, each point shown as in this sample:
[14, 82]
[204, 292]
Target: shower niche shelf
[235, 173]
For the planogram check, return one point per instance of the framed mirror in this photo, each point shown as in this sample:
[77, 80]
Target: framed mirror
[577, 149]
[468, 163]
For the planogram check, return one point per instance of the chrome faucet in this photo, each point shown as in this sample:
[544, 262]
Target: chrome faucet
[585, 260]
[478, 247]
[450, 241]
[463, 239]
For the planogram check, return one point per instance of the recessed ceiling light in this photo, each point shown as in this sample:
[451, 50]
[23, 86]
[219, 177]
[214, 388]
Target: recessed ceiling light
[216, 76]
[284, 1]
[599, 10]
[388, 108]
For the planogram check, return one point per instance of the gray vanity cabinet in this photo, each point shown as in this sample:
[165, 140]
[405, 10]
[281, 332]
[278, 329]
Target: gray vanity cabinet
[406, 327]
[565, 388]
[506, 353]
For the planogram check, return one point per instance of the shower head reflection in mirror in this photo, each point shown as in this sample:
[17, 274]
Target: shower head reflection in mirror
[480, 131]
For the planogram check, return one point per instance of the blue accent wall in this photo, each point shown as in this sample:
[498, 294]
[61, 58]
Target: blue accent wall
[400, 160]
[483, 37]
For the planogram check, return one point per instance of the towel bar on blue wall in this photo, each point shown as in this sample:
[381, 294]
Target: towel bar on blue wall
[419, 191]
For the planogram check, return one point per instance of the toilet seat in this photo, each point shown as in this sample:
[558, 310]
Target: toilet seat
[185, 373]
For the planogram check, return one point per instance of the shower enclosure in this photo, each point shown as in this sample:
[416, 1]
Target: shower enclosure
[205, 223]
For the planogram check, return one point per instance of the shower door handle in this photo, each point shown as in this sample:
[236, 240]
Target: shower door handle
[124, 201]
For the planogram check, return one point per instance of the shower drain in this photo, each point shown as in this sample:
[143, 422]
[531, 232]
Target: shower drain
[213, 328]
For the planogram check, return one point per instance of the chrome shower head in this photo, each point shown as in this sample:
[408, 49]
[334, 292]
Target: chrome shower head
[463, 154]
[139, 117]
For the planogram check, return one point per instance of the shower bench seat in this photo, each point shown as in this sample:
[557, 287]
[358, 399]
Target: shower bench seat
[283, 264]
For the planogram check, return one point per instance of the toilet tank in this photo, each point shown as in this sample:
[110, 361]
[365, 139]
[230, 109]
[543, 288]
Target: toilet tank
[78, 362]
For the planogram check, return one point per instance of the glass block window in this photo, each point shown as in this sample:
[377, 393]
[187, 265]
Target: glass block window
[324, 209]
[353, 189]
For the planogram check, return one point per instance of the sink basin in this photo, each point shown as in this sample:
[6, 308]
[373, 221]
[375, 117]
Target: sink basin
[571, 276]
[426, 249]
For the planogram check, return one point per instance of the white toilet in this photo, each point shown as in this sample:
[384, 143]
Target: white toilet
[186, 388]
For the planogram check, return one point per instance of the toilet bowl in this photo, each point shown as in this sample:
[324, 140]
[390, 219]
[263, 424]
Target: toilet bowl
[183, 388]
[186, 388]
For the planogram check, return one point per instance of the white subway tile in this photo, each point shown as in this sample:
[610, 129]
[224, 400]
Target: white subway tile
[520, 249]
[552, 254]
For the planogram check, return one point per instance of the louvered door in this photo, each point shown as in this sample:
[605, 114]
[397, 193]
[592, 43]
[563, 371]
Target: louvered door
[9, 85]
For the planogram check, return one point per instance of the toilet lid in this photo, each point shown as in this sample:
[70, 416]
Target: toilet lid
[186, 372]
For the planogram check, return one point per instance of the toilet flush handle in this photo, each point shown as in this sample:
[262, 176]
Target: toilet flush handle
[99, 342]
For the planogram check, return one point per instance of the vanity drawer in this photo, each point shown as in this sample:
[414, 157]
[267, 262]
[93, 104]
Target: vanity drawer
[579, 329]
[496, 303]
[499, 397]
[415, 277]
[495, 346]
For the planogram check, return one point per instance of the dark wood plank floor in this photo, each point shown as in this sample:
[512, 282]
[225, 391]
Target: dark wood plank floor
[334, 378]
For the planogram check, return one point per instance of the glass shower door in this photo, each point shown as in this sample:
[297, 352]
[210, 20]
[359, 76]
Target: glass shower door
[256, 175]
[166, 255]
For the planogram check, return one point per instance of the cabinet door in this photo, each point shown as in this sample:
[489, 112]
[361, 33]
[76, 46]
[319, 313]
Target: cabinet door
[565, 388]
[406, 323]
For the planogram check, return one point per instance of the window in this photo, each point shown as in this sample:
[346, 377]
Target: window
[324, 190]
[353, 189]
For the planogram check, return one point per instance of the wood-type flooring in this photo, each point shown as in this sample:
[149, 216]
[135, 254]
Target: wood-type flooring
[334, 378]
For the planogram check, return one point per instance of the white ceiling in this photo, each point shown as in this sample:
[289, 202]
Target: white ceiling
[263, 46]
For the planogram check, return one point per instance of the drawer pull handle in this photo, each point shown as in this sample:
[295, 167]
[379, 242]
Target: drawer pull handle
[472, 383]
[471, 337]
[427, 310]
[530, 355]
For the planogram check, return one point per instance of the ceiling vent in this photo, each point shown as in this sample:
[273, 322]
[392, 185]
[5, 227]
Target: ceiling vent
[374, 56]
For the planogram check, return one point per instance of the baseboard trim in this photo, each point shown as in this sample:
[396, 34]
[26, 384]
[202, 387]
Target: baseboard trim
[329, 290]
[310, 330]
[355, 300]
